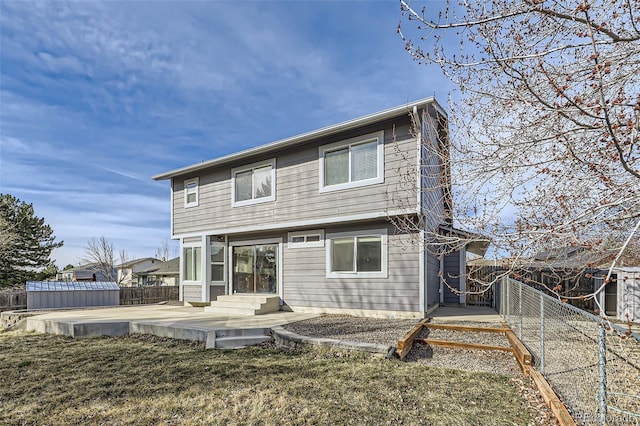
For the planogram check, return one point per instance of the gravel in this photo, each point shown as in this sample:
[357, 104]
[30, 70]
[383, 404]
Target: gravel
[342, 327]
[389, 331]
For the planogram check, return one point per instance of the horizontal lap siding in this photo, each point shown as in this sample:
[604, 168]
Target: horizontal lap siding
[306, 283]
[297, 190]
[452, 277]
[432, 190]
[433, 279]
[192, 293]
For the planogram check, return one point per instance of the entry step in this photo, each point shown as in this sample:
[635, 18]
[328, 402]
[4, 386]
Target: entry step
[244, 305]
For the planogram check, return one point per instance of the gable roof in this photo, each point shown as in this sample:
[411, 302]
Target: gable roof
[304, 137]
[169, 267]
[134, 262]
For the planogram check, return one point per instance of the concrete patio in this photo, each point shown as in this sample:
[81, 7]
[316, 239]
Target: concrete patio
[193, 323]
[178, 322]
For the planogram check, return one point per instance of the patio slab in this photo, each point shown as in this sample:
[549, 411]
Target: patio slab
[189, 323]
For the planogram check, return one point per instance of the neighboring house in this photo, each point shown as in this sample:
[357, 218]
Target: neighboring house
[163, 273]
[86, 272]
[621, 296]
[127, 271]
[307, 218]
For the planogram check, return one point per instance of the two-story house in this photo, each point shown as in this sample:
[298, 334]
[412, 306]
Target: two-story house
[128, 271]
[310, 219]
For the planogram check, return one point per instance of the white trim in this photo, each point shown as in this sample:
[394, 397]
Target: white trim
[463, 276]
[306, 235]
[183, 281]
[185, 191]
[224, 270]
[280, 271]
[322, 150]
[441, 280]
[419, 160]
[382, 233]
[300, 223]
[279, 263]
[422, 267]
[253, 166]
[207, 271]
[171, 207]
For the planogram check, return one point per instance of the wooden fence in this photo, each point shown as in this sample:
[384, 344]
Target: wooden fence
[13, 300]
[573, 283]
[17, 299]
[147, 295]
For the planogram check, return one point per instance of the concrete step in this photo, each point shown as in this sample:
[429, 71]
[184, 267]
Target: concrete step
[237, 342]
[234, 338]
[247, 332]
[231, 310]
[249, 298]
[163, 330]
[236, 304]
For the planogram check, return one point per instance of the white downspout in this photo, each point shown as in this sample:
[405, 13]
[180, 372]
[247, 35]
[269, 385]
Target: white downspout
[422, 263]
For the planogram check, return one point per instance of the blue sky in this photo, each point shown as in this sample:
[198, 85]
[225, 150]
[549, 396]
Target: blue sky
[96, 97]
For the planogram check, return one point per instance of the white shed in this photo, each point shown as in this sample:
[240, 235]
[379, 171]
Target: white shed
[71, 294]
[621, 297]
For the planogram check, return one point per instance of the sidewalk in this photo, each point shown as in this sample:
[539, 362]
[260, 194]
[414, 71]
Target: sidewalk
[467, 313]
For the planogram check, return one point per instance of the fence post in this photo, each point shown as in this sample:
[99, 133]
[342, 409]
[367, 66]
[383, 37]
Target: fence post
[541, 333]
[507, 286]
[520, 311]
[602, 375]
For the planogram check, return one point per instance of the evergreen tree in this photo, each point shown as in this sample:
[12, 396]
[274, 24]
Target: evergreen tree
[26, 243]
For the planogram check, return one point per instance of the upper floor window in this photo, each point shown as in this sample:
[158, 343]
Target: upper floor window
[255, 183]
[191, 192]
[355, 162]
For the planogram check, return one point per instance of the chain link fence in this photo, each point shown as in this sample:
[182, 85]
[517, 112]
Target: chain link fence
[592, 365]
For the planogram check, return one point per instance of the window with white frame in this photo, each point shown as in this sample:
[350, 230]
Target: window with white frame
[217, 250]
[306, 239]
[355, 162]
[192, 263]
[191, 192]
[255, 183]
[359, 254]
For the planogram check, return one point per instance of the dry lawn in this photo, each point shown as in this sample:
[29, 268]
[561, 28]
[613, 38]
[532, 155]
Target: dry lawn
[143, 380]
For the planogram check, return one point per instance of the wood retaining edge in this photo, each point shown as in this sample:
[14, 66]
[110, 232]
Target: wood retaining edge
[557, 407]
[519, 350]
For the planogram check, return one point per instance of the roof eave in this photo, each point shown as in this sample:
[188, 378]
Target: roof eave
[304, 137]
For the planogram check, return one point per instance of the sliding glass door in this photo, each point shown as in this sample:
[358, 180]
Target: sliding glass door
[255, 268]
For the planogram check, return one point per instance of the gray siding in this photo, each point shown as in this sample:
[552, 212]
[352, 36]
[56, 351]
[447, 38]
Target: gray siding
[432, 281]
[306, 283]
[297, 188]
[191, 293]
[433, 181]
[452, 276]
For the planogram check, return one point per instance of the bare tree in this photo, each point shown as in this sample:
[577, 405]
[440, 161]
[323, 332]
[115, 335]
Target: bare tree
[101, 255]
[162, 252]
[545, 146]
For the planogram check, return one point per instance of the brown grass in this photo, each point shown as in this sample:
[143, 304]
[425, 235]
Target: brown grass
[146, 380]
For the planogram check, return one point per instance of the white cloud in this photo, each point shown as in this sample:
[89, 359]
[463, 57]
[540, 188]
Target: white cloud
[99, 96]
